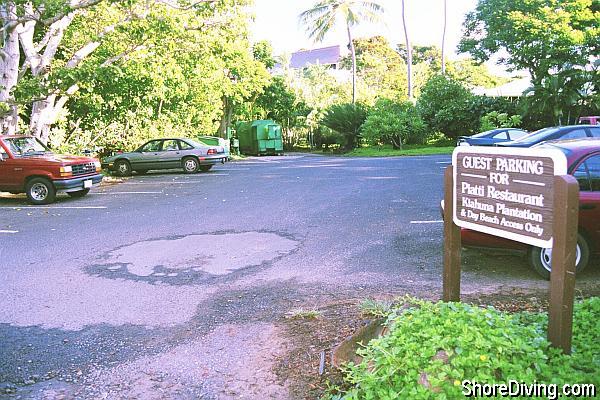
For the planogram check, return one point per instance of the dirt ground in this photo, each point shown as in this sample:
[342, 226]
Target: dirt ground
[309, 338]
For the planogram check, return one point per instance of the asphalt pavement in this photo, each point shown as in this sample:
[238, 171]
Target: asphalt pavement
[174, 274]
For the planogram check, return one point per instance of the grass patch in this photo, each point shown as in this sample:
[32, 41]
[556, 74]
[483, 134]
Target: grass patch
[407, 150]
[301, 313]
[376, 308]
[432, 348]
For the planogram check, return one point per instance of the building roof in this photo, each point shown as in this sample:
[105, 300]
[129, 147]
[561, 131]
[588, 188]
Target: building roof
[323, 56]
[511, 89]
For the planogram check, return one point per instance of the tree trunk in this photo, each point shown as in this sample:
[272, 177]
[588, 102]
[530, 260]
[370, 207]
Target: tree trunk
[44, 114]
[226, 117]
[444, 37]
[353, 54]
[408, 56]
[9, 69]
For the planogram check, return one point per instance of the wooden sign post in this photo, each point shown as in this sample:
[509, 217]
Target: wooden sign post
[523, 195]
[452, 243]
[564, 258]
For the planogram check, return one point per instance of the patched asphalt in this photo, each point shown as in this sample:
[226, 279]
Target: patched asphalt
[89, 285]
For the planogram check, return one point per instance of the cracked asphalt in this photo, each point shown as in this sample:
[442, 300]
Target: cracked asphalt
[171, 285]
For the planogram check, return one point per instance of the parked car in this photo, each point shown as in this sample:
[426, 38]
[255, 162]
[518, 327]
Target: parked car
[554, 133]
[583, 157]
[489, 138]
[591, 120]
[27, 166]
[187, 154]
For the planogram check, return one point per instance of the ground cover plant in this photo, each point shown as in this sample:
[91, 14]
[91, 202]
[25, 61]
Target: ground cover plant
[407, 150]
[433, 347]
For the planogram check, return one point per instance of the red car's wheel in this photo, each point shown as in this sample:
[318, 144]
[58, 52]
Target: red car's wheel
[40, 191]
[541, 259]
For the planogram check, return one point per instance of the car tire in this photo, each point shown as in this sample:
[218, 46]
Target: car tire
[541, 259]
[190, 165]
[40, 191]
[79, 193]
[123, 168]
[205, 168]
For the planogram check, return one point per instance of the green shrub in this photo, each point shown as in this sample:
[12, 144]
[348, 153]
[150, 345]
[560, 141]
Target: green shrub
[346, 119]
[479, 344]
[447, 106]
[395, 123]
[495, 119]
[438, 139]
[325, 137]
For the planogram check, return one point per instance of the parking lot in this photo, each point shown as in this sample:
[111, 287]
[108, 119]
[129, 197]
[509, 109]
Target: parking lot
[168, 270]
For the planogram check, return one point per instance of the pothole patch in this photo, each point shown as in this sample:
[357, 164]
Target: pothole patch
[195, 256]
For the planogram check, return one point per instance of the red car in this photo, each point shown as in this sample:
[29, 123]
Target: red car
[27, 166]
[583, 157]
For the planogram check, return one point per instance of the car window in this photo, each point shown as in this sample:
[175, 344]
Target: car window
[152, 146]
[595, 132]
[501, 135]
[185, 146]
[593, 165]
[170, 145]
[583, 177]
[514, 135]
[575, 134]
[3, 152]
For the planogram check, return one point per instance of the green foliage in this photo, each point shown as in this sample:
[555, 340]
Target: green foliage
[163, 74]
[346, 119]
[321, 18]
[376, 308]
[324, 138]
[481, 344]
[394, 123]
[263, 52]
[281, 104]
[379, 68]
[554, 94]
[408, 150]
[446, 106]
[537, 35]
[438, 139]
[302, 313]
[494, 119]
[472, 74]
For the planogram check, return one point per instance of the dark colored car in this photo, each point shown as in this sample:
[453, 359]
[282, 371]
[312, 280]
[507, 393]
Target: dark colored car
[591, 120]
[27, 166]
[555, 133]
[583, 157]
[187, 154]
[489, 138]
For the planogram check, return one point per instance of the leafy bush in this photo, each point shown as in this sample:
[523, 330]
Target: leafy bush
[446, 106]
[346, 119]
[325, 137]
[395, 123]
[438, 139]
[433, 347]
[496, 119]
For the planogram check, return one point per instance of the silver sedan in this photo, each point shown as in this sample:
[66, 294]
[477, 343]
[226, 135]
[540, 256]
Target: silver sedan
[188, 154]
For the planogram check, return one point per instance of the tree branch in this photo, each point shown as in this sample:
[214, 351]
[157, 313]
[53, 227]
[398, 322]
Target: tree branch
[73, 6]
[173, 4]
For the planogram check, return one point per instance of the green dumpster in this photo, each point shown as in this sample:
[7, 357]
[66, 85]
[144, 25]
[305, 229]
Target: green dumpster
[260, 137]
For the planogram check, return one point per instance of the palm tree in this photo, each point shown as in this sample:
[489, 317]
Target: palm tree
[408, 55]
[444, 38]
[321, 18]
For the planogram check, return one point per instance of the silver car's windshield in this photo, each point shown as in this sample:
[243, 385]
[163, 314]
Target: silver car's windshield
[26, 146]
